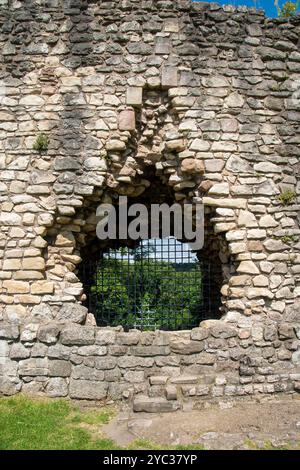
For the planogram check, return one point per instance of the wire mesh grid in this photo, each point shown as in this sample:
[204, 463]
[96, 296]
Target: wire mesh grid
[160, 284]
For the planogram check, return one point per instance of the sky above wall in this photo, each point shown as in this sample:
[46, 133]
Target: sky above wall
[267, 5]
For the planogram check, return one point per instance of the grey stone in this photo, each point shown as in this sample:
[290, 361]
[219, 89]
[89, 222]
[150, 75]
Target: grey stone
[150, 350]
[33, 367]
[48, 333]
[59, 368]
[154, 405]
[8, 331]
[77, 335]
[222, 330]
[286, 331]
[73, 313]
[199, 334]
[171, 392]
[87, 373]
[57, 387]
[130, 338]
[10, 385]
[18, 351]
[186, 346]
[88, 389]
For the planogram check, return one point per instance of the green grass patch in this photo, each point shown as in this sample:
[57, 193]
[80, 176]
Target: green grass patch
[44, 424]
[38, 424]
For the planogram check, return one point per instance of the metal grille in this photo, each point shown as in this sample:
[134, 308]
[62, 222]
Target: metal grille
[158, 285]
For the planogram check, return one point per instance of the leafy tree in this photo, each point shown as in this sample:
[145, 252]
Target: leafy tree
[288, 9]
[148, 294]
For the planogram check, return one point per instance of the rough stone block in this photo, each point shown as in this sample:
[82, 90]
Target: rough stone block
[150, 350]
[18, 351]
[57, 387]
[8, 331]
[9, 385]
[223, 330]
[78, 335]
[48, 333]
[104, 363]
[88, 389]
[83, 372]
[29, 332]
[171, 392]
[33, 367]
[154, 405]
[72, 312]
[130, 338]
[16, 287]
[158, 380]
[185, 379]
[42, 287]
[186, 346]
[171, 25]
[134, 376]
[163, 45]
[169, 77]
[134, 96]
[127, 120]
[4, 348]
[59, 368]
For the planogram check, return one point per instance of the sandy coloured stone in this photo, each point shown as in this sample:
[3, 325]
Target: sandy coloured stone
[226, 203]
[247, 267]
[192, 165]
[127, 120]
[16, 287]
[134, 96]
[35, 264]
[11, 264]
[42, 287]
[247, 219]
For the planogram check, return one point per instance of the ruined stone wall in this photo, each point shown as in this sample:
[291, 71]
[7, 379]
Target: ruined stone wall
[151, 371]
[204, 97]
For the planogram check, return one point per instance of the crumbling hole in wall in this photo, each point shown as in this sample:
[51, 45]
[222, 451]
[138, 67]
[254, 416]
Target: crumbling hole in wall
[149, 283]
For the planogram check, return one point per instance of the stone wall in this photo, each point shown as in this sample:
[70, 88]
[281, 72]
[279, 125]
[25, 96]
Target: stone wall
[108, 98]
[153, 371]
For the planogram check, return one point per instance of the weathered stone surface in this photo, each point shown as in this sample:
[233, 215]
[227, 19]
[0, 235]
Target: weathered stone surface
[74, 313]
[18, 351]
[136, 105]
[248, 267]
[59, 368]
[88, 389]
[158, 380]
[48, 333]
[223, 330]
[33, 367]
[154, 405]
[87, 373]
[78, 335]
[153, 350]
[169, 76]
[57, 387]
[127, 120]
[186, 346]
[171, 392]
[9, 385]
[199, 334]
[130, 338]
[8, 331]
[134, 96]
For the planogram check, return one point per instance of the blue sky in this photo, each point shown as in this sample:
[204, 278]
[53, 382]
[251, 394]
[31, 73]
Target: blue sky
[267, 5]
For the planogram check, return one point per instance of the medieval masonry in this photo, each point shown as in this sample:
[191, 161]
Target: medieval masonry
[147, 98]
